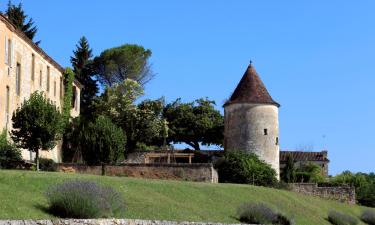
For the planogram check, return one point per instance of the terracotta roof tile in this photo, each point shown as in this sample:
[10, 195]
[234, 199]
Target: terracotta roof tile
[304, 156]
[251, 90]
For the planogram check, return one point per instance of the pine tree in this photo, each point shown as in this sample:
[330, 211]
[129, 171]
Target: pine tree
[84, 72]
[18, 18]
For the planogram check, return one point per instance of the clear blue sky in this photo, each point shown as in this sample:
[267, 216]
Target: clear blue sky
[317, 58]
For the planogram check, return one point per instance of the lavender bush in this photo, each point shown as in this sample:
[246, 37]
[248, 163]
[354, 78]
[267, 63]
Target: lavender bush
[338, 218]
[84, 199]
[259, 213]
[368, 217]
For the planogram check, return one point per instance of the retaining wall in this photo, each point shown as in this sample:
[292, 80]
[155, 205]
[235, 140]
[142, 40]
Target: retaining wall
[101, 222]
[201, 172]
[340, 193]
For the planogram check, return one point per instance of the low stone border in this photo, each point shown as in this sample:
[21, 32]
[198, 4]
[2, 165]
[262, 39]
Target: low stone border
[102, 222]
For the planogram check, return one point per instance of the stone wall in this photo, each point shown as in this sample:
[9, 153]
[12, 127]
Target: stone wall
[340, 193]
[33, 65]
[201, 172]
[100, 222]
[253, 128]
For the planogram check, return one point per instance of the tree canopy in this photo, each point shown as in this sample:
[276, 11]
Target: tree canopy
[142, 123]
[194, 123]
[36, 124]
[128, 61]
[18, 18]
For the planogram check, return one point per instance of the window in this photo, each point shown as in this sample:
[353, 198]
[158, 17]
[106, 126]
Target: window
[40, 78]
[74, 96]
[18, 79]
[7, 107]
[277, 140]
[32, 67]
[6, 51]
[61, 87]
[48, 77]
[54, 88]
[265, 132]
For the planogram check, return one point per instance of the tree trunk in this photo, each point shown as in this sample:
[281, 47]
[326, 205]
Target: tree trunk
[37, 159]
[103, 169]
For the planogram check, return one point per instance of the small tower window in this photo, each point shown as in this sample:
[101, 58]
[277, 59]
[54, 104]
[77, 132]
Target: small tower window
[265, 132]
[277, 140]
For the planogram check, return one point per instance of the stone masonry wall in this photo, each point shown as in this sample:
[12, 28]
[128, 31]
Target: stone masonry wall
[100, 222]
[201, 172]
[340, 193]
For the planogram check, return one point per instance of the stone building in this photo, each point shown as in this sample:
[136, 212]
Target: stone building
[24, 69]
[251, 120]
[302, 158]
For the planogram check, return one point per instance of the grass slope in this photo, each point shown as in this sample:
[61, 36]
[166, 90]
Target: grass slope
[21, 197]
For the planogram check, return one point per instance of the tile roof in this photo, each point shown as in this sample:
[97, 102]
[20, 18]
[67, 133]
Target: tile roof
[304, 156]
[251, 90]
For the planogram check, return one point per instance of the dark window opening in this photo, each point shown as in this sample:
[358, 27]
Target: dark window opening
[277, 140]
[18, 79]
[265, 132]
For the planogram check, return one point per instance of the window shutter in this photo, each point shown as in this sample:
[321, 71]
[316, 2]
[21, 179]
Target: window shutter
[6, 51]
[12, 53]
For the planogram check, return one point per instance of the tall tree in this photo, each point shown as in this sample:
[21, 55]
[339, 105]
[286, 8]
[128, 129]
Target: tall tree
[194, 123]
[124, 62]
[84, 73]
[18, 18]
[36, 125]
[141, 123]
[289, 172]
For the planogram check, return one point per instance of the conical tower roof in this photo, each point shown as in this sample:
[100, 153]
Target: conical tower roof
[251, 90]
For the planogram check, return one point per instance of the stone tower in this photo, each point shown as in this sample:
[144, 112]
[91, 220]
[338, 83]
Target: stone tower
[252, 121]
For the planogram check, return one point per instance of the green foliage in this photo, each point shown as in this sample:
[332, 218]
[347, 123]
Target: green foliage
[36, 124]
[68, 94]
[337, 218]
[115, 65]
[84, 199]
[84, 73]
[142, 123]
[102, 142]
[10, 155]
[194, 123]
[310, 173]
[364, 185]
[289, 172]
[47, 164]
[240, 167]
[368, 216]
[17, 17]
[260, 213]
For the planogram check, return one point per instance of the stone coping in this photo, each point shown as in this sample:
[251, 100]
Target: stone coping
[103, 222]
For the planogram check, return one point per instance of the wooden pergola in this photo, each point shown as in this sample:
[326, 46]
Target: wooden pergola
[168, 155]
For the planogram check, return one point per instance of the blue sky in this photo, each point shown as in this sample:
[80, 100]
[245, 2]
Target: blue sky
[315, 57]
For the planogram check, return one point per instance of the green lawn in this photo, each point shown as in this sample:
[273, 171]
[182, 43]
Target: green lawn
[21, 197]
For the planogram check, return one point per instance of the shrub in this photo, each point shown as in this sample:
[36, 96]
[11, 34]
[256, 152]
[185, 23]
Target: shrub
[259, 213]
[103, 142]
[338, 218]
[84, 199]
[368, 217]
[10, 155]
[47, 164]
[241, 167]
